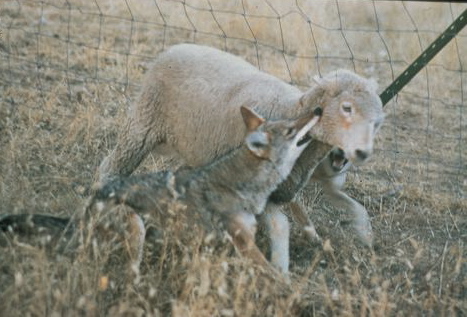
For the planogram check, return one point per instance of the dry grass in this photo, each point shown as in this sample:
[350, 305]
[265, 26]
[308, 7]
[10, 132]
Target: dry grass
[64, 92]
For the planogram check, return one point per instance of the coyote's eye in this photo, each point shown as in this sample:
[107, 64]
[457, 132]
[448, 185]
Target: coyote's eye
[289, 131]
[378, 123]
[258, 144]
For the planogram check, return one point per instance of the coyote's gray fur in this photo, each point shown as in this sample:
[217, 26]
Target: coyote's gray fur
[228, 192]
[189, 105]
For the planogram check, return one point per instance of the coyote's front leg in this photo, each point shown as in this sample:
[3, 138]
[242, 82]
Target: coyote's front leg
[242, 228]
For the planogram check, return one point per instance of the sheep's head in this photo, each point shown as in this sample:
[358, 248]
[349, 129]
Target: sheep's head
[352, 113]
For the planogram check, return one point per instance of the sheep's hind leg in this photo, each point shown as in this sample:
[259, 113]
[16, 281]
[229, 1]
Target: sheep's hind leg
[133, 145]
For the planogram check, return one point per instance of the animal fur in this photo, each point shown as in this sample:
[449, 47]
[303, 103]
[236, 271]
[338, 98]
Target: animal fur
[189, 106]
[226, 194]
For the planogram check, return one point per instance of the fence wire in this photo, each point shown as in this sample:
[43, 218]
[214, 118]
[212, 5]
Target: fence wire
[79, 46]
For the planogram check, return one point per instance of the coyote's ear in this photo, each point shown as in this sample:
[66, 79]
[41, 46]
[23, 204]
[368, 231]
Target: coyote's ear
[252, 119]
[258, 143]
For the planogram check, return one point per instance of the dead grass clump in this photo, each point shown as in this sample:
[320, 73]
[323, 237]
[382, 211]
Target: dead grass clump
[185, 273]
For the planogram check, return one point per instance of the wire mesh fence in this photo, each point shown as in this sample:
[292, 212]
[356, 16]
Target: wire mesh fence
[55, 53]
[69, 70]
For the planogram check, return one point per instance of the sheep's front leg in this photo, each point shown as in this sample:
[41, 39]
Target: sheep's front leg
[278, 228]
[331, 174]
[340, 200]
[138, 137]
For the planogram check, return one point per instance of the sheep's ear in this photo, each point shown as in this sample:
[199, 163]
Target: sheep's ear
[258, 144]
[252, 119]
[312, 97]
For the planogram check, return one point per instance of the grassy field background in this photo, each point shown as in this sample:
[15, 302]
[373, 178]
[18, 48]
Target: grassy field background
[69, 71]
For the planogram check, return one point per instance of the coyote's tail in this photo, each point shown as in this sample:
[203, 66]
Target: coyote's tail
[47, 231]
[23, 223]
[31, 223]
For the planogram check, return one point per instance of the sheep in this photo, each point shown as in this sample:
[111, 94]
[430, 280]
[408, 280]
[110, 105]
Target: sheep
[189, 104]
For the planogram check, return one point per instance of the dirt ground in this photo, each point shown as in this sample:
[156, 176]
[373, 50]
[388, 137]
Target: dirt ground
[69, 71]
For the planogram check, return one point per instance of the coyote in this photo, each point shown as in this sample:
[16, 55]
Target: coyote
[189, 106]
[226, 194]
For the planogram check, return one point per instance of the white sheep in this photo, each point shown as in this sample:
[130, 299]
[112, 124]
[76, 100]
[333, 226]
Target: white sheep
[189, 106]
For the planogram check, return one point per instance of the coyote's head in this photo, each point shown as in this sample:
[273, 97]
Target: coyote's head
[281, 141]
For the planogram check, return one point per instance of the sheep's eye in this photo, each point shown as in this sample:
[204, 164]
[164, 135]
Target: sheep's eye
[347, 107]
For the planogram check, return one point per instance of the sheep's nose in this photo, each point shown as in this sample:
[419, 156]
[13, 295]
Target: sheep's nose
[362, 155]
